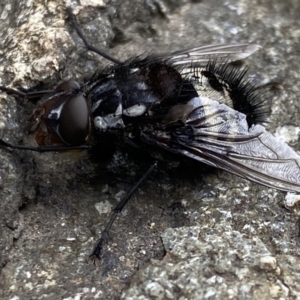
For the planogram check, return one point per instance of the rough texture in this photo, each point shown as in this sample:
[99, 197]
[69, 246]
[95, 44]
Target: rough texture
[243, 242]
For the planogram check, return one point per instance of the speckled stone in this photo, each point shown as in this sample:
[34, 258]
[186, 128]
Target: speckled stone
[230, 239]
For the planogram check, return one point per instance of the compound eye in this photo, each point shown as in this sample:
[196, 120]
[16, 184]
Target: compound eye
[74, 121]
[69, 85]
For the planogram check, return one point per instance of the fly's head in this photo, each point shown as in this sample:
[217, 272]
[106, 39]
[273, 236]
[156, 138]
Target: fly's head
[63, 119]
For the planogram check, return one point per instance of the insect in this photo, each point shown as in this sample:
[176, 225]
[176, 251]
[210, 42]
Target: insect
[190, 103]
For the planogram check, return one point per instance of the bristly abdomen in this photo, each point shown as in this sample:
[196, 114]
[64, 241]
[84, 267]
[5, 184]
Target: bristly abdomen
[236, 91]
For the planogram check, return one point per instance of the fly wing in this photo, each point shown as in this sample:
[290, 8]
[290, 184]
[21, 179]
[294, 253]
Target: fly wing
[222, 53]
[215, 134]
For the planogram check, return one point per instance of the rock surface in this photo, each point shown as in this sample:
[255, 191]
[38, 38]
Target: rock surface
[227, 239]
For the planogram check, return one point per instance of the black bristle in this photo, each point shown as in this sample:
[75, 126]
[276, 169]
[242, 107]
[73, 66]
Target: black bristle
[245, 97]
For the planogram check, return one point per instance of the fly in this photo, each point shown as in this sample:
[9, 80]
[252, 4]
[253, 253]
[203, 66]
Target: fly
[190, 103]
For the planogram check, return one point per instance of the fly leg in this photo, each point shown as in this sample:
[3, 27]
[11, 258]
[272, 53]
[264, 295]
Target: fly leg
[97, 251]
[26, 95]
[42, 149]
[87, 44]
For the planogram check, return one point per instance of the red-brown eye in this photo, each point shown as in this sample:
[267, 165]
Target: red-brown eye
[74, 121]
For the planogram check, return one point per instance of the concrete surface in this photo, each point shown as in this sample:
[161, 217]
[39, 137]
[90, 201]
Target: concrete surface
[229, 238]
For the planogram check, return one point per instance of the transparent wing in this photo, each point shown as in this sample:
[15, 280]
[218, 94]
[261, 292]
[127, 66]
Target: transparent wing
[219, 136]
[202, 55]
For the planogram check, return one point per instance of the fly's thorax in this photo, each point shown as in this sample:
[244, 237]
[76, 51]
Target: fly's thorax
[131, 93]
[106, 104]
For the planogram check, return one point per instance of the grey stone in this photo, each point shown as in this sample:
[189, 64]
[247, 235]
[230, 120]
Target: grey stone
[232, 238]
